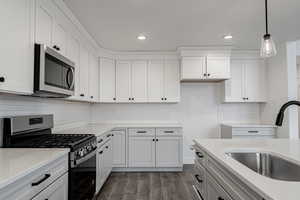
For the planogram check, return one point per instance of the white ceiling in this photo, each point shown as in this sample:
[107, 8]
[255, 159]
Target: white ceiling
[169, 24]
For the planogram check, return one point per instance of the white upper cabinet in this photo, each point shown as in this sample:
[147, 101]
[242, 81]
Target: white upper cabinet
[163, 81]
[16, 74]
[139, 81]
[172, 81]
[93, 78]
[193, 68]
[84, 73]
[107, 78]
[131, 81]
[217, 68]
[248, 81]
[205, 64]
[60, 37]
[45, 21]
[156, 81]
[205, 68]
[73, 53]
[51, 27]
[123, 81]
[255, 80]
[235, 85]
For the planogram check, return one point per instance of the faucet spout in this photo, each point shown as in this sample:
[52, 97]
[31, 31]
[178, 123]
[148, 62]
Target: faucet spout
[280, 115]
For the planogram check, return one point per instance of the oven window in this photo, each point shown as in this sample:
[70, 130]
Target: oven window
[56, 73]
[82, 180]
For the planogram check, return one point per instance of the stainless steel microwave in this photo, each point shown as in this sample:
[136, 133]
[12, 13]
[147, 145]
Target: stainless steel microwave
[54, 74]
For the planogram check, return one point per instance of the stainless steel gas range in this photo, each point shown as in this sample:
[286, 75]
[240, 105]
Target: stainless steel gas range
[36, 132]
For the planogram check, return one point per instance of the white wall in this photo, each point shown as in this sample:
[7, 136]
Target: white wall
[64, 112]
[282, 87]
[200, 112]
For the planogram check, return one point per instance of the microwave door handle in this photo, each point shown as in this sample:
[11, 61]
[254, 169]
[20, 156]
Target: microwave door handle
[67, 77]
[73, 79]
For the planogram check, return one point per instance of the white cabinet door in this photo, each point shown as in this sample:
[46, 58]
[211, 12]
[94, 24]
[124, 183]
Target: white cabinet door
[58, 190]
[123, 81]
[45, 21]
[171, 81]
[255, 81]
[73, 53]
[17, 46]
[156, 81]
[139, 81]
[93, 78]
[84, 73]
[107, 80]
[119, 148]
[193, 68]
[108, 157]
[60, 37]
[218, 68]
[141, 152]
[168, 152]
[100, 172]
[234, 87]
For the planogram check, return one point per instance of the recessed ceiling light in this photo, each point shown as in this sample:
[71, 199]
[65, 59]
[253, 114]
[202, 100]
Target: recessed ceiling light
[227, 37]
[141, 37]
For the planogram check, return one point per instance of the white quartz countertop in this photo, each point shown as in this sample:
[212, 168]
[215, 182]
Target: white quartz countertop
[237, 125]
[16, 163]
[101, 128]
[270, 188]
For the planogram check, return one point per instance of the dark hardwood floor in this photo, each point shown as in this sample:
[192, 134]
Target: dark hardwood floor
[148, 186]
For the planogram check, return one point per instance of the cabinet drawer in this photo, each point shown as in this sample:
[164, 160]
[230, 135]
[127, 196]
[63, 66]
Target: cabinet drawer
[200, 156]
[141, 132]
[253, 132]
[29, 186]
[215, 191]
[236, 188]
[168, 132]
[199, 179]
[102, 139]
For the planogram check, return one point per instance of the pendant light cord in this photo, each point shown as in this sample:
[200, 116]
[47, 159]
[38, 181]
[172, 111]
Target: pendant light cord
[266, 7]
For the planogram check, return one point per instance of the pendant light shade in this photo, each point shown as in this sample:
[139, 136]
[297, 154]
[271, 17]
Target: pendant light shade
[268, 48]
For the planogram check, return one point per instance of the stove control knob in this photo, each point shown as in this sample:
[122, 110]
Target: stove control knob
[89, 148]
[81, 152]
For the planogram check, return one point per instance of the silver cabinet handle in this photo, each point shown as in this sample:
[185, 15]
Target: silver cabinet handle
[253, 131]
[141, 131]
[168, 131]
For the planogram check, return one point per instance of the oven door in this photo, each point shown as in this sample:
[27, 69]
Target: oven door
[54, 73]
[82, 178]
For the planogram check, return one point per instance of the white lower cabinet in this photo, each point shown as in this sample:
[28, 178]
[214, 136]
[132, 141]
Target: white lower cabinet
[155, 148]
[56, 191]
[168, 151]
[104, 160]
[119, 148]
[214, 191]
[141, 151]
[47, 182]
[212, 180]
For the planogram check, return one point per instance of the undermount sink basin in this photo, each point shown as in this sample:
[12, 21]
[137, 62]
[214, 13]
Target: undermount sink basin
[268, 165]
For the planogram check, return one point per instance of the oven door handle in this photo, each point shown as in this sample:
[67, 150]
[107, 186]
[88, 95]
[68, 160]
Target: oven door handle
[67, 78]
[73, 79]
[81, 160]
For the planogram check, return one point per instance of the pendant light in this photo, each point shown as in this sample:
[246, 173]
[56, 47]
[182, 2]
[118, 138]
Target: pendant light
[268, 48]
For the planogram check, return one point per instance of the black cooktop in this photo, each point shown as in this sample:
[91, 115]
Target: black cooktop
[53, 141]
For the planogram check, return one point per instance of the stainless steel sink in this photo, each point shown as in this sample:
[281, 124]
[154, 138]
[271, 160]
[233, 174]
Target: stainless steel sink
[268, 165]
